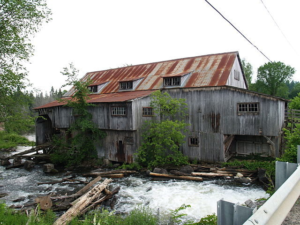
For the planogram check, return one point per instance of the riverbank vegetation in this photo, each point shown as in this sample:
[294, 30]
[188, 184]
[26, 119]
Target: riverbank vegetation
[137, 216]
[162, 135]
[12, 140]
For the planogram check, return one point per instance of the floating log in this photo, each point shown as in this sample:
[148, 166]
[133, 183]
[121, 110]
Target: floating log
[105, 173]
[95, 174]
[82, 202]
[81, 191]
[176, 177]
[212, 174]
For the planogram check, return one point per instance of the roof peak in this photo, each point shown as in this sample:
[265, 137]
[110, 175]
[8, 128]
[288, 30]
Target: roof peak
[169, 60]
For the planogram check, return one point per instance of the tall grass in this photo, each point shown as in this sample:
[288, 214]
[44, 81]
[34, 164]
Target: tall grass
[11, 140]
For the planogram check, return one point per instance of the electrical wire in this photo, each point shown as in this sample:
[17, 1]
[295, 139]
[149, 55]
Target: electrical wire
[238, 31]
[279, 27]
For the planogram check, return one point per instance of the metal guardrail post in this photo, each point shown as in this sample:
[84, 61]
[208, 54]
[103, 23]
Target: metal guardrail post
[283, 170]
[232, 214]
[275, 210]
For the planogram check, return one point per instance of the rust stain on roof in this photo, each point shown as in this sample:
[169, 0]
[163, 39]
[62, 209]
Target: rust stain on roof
[207, 70]
[111, 97]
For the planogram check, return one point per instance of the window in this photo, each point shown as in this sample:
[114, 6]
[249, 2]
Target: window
[172, 81]
[193, 141]
[93, 88]
[118, 111]
[126, 85]
[236, 75]
[248, 108]
[148, 111]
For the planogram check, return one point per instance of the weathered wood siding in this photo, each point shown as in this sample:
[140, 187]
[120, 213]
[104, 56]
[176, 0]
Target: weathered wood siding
[118, 146]
[240, 83]
[215, 111]
[43, 127]
[102, 116]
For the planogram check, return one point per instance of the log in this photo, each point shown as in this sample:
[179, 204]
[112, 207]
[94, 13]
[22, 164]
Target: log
[212, 174]
[115, 171]
[44, 202]
[95, 174]
[176, 177]
[81, 191]
[82, 202]
[179, 173]
[102, 199]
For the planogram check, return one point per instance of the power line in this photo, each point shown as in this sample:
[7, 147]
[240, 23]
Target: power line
[278, 27]
[238, 30]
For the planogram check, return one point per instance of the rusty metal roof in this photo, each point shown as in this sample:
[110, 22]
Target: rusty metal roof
[204, 71]
[111, 97]
[207, 70]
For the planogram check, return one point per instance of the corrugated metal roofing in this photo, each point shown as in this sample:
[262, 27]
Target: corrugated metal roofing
[112, 97]
[205, 71]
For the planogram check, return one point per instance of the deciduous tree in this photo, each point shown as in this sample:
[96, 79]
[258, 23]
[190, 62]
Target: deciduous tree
[271, 78]
[163, 135]
[19, 21]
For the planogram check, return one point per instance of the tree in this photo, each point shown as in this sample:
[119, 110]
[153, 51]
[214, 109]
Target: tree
[84, 132]
[271, 78]
[19, 21]
[248, 71]
[163, 135]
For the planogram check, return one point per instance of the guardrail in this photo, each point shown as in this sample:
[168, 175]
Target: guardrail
[276, 208]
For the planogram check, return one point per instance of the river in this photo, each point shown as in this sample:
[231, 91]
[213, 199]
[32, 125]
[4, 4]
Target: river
[136, 191]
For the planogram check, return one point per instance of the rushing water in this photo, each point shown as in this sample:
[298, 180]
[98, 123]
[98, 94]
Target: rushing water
[135, 191]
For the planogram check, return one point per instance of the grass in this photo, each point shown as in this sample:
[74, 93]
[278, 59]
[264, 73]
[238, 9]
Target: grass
[11, 140]
[37, 217]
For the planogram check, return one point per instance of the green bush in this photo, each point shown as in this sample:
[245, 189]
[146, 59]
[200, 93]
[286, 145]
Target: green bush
[11, 140]
[293, 139]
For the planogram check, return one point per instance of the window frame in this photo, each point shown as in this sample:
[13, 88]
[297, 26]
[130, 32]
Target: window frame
[172, 82]
[147, 115]
[248, 108]
[236, 74]
[112, 108]
[126, 85]
[193, 144]
[92, 88]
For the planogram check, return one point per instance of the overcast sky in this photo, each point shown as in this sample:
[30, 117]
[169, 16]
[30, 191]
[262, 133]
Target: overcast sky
[101, 34]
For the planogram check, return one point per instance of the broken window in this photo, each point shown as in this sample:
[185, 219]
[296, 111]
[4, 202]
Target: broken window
[148, 111]
[118, 111]
[172, 81]
[193, 141]
[236, 74]
[126, 85]
[93, 89]
[248, 108]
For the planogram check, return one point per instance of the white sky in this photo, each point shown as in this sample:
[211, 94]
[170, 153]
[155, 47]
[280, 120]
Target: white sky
[102, 34]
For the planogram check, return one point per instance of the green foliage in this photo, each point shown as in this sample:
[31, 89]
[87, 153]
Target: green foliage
[176, 215]
[269, 166]
[293, 139]
[208, 220]
[271, 78]
[295, 103]
[36, 217]
[84, 132]
[163, 135]
[136, 216]
[11, 140]
[248, 71]
[19, 21]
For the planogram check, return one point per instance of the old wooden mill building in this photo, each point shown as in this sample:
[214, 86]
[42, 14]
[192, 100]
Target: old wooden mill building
[225, 117]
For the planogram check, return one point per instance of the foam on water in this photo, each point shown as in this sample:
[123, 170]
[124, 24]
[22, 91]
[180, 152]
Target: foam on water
[170, 195]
